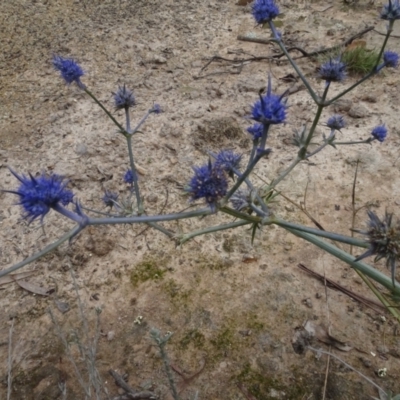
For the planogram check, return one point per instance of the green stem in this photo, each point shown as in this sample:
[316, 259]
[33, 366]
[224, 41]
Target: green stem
[134, 175]
[303, 150]
[342, 255]
[389, 31]
[120, 127]
[149, 218]
[284, 174]
[74, 231]
[379, 295]
[238, 214]
[317, 232]
[294, 65]
[211, 229]
[243, 177]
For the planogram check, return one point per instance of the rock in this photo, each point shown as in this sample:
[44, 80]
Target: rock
[358, 111]
[342, 105]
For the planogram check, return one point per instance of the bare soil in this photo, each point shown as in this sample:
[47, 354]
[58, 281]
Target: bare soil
[233, 307]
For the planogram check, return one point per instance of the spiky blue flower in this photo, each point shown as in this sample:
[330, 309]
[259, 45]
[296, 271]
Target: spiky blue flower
[209, 182]
[156, 109]
[336, 122]
[333, 70]
[384, 240]
[124, 98]
[391, 11]
[39, 195]
[109, 198]
[270, 109]
[228, 160]
[391, 59]
[264, 10]
[129, 176]
[240, 199]
[69, 69]
[255, 131]
[379, 133]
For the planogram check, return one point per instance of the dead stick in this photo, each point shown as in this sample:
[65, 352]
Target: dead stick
[304, 52]
[330, 283]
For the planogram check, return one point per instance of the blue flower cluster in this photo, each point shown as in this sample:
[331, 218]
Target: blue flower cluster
[264, 10]
[228, 160]
[379, 133]
[391, 59]
[336, 122]
[391, 11]
[270, 109]
[39, 195]
[256, 131]
[209, 182]
[69, 69]
[128, 176]
[333, 70]
[124, 98]
[110, 198]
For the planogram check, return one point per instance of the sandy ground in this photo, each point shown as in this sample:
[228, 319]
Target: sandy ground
[233, 307]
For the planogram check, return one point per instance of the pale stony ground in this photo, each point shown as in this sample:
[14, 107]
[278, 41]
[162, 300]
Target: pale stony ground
[233, 307]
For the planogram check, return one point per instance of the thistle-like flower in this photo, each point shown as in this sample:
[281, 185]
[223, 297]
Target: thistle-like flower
[129, 176]
[69, 69]
[336, 122]
[256, 131]
[384, 240]
[209, 182]
[391, 59]
[228, 160]
[333, 70]
[123, 98]
[391, 11]
[156, 109]
[39, 195]
[264, 10]
[240, 200]
[110, 198]
[270, 109]
[379, 133]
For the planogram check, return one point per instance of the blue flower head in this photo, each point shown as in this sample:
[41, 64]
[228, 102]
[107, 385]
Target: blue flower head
[39, 195]
[123, 98]
[209, 182]
[270, 109]
[156, 109]
[391, 59]
[228, 161]
[255, 131]
[110, 198]
[336, 122]
[379, 133]
[391, 11]
[333, 70]
[69, 69]
[264, 10]
[129, 176]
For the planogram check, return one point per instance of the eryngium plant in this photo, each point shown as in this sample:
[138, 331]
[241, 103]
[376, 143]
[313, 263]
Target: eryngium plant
[224, 181]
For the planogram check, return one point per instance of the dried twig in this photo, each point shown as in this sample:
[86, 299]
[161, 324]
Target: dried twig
[131, 393]
[9, 363]
[304, 52]
[368, 302]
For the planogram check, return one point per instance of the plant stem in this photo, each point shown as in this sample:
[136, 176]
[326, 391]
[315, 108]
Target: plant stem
[120, 127]
[43, 252]
[342, 255]
[294, 65]
[317, 232]
[149, 218]
[217, 228]
[134, 175]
